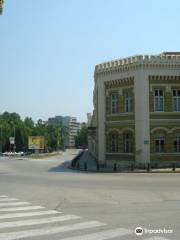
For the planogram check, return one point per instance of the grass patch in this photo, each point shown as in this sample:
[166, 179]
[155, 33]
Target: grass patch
[42, 155]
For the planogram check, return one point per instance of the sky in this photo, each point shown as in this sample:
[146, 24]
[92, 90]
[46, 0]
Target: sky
[49, 49]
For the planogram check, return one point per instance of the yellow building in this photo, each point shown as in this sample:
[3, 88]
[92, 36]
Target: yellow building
[136, 115]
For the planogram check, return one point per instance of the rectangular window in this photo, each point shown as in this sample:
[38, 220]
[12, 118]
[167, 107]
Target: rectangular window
[159, 145]
[158, 100]
[128, 102]
[114, 103]
[177, 145]
[176, 100]
[127, 143]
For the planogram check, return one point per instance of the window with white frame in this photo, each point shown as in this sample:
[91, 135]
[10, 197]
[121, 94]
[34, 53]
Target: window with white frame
[114, 142]
[176, 100]
[159, 143]
[158, 100]
[128, 102]
[177, 144]
[114, 102]
[127, 142]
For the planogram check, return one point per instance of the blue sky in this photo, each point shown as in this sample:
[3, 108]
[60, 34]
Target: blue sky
[49, 48]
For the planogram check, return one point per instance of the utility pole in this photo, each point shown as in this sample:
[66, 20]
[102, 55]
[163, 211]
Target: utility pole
[1, 140]
[14, 138]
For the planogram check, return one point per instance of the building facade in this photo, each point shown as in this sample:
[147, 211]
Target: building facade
[72, 125]
[136, 115]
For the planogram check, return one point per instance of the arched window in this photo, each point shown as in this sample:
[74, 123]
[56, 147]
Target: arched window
[159, 142]
[127, 142]
[114, 142]
[177, 145]
[114, 102]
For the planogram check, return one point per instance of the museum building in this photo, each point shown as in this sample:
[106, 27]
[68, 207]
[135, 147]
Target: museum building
[136, 117]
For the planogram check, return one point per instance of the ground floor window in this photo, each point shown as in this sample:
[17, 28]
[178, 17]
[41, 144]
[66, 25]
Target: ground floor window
[159, 143]
[114, 142]
[127, 142]
[177, 145]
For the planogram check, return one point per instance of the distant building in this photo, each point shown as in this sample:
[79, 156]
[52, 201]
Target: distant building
[89, 117]
[72, 125]
[136, 115]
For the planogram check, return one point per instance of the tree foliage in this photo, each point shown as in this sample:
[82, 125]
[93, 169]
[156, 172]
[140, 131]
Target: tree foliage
[11, 123]
[82, 137]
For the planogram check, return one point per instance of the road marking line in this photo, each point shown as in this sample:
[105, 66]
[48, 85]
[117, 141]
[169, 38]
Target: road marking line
[8, 199]
[13, 204]
[102, 235]
[38, 221]
[3, 196]
[156, 238]
[46, 231]
[13, 209]
[27, 214]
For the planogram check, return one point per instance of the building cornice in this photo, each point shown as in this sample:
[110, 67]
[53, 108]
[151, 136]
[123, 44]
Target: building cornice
[138, 62]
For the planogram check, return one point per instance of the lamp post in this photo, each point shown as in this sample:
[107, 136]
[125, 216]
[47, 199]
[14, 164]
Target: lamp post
[14, 137]
[1, 140]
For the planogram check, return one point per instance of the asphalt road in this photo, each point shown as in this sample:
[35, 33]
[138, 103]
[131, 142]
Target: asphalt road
[52, 202]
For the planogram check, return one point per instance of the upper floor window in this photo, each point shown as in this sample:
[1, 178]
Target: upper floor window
[128, 102]
[159, 143]
[127, 142]
[158, 100]
[114, 142]
[177, 145]
[114, 103]
[176, 100]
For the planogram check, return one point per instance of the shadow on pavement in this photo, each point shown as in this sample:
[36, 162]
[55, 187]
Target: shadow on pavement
[63, 167]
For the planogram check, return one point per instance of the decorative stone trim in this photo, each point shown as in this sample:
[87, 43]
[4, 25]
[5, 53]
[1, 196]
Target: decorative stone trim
[136, 62]
[164, 77]
[160, 129]
[175, 129]
[119, 82]
[120, 131]
[120, 114]
[113, 130]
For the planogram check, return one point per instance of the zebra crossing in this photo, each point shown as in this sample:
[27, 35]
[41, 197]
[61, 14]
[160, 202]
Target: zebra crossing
[22, 220]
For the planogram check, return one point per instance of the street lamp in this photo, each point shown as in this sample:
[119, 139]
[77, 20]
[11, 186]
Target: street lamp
[14, 137]
[1, 140]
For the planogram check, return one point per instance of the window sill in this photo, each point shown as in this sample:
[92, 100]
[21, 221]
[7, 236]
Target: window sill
[119, 153]
[120, 114]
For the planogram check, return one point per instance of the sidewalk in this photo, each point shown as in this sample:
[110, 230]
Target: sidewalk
[87, 163]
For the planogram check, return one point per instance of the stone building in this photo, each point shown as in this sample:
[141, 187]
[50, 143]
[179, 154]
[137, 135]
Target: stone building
[136, 115]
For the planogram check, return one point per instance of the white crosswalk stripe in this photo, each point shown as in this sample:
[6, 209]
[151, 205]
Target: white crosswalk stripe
[13, 209]
[27, 214]
[102, 235]
[38, 221]
[156, 238]
[8, 199]
[50, 230]
[9, 210]
[13, 204]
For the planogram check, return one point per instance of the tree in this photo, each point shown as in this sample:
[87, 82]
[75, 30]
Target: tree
[82, 137]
